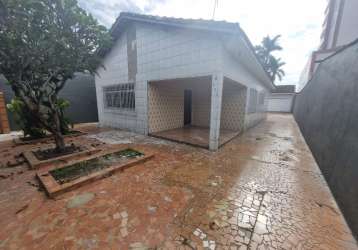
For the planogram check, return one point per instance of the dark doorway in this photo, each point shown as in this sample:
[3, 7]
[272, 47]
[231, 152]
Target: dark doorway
[187, 107]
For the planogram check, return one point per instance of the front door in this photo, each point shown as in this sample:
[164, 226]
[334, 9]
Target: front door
[187, 107]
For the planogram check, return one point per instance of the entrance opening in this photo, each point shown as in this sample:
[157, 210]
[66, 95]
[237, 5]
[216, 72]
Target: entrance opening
[179, 110]
[187, 106]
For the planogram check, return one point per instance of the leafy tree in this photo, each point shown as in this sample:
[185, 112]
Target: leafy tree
[43, 43]
[271, 64]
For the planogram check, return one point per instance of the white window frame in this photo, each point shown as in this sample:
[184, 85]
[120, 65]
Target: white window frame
[122, 97]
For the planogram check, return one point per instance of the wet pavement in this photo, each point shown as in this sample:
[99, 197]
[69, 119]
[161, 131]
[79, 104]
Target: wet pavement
[262, 190]
[194, 135]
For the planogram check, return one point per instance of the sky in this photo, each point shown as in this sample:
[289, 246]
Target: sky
[299, 22]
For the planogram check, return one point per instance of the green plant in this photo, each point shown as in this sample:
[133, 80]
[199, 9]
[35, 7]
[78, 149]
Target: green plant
[24, 119]
[43, 43]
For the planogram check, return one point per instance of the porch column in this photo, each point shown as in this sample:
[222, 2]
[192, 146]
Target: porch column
[215, 113]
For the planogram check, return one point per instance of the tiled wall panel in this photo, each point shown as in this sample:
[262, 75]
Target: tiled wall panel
[233, 107]
[238, 72]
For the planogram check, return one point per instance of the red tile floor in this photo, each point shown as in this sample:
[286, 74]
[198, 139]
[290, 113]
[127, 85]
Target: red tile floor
[262, 190]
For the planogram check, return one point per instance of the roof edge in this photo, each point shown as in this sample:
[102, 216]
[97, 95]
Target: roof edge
[179, 22]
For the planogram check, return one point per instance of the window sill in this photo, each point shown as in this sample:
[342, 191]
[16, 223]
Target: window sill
[120, 112]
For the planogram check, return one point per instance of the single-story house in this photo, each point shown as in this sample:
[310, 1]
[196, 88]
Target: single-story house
[194, 81]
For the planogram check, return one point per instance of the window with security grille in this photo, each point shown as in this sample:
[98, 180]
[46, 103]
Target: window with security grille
[252, 101]
[120, 96]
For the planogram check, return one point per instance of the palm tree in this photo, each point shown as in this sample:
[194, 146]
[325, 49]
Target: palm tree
[275, 70]
[270, 63]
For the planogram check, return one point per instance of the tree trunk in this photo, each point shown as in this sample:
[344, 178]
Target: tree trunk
[60, 142]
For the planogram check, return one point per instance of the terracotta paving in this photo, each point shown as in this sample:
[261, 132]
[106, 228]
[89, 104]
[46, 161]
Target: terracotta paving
[262, 190]
[194, 135]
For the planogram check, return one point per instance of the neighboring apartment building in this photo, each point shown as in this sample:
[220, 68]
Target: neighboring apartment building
[340, 27]
[193, 81]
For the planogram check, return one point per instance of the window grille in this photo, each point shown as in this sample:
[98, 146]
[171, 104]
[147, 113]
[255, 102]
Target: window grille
[120, 96]
[252, 101]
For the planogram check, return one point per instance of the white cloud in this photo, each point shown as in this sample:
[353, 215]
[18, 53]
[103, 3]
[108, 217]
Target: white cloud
[299, 22]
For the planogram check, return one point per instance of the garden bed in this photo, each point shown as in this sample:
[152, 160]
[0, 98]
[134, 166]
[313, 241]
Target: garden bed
[51, 153]
[30, 140]
[48, 157]
[62, 179]
[72, 172]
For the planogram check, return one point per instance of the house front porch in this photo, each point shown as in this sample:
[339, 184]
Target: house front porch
[201, 111]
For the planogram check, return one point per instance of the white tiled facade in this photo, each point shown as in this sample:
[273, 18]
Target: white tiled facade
[165, 53]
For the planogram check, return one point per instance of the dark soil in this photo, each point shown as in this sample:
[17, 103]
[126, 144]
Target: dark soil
[50, 153]
[30, 138]
[77, 170]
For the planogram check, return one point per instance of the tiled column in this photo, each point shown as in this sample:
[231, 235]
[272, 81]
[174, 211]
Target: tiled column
[142, 107]
[4, 122]
[215, 113]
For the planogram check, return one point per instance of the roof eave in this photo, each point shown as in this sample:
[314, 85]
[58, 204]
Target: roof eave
[236, 31]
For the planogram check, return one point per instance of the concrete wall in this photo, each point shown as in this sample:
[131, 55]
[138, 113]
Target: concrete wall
[80, 92]
[342, 27]
[280, 102]
[348, 30]
[4, 122]
[8, 95]
[327, 112]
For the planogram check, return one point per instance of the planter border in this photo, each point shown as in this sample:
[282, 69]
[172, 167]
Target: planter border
[35, 163]
[53, 188]
[19, 141]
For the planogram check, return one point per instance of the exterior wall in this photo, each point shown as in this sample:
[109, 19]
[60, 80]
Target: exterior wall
[166, 103]
[280, 102]
[166, 106]
[163, 53]
[233, 106]
[201, 103]
[115, 71]
[4, 122]
[348, 30]
[81, 93]
[311, 66]
[326, 111]
[340, 24]
[237, 72]
[339, 29]
[8, 95]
